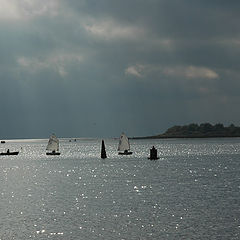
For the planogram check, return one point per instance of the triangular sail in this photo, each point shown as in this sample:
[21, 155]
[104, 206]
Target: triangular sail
[53, 144]
[123, 143]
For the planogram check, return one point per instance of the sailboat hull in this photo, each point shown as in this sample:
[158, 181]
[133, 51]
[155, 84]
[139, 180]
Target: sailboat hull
[51, 153]
[124, 153]
[9, 153]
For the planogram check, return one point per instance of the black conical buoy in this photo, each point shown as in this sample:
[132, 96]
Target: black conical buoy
[103, 151]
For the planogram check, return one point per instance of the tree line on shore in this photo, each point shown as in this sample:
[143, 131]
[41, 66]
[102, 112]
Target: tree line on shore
[200, 130]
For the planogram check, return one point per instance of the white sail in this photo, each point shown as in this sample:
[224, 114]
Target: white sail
[53, 143]
[123, 143]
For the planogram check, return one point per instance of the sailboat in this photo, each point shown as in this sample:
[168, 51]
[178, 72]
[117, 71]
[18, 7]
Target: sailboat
[103, 150]
[53, 146]
[124, 146]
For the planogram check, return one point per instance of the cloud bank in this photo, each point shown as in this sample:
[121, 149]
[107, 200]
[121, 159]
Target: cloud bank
[97, 68]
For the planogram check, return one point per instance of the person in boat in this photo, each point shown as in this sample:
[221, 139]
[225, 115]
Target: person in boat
[8, 151]
[53, 151]
[125, 151]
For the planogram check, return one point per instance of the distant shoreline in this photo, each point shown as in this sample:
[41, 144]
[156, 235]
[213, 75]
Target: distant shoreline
[189, 137]
[193, 130]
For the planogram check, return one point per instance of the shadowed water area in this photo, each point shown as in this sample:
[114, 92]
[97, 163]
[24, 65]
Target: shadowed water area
[191, 192]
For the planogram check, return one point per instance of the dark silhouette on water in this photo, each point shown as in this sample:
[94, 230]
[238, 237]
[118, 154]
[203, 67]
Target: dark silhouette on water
[103, 150]
[53, 153]
[153, 154]
[9, 153]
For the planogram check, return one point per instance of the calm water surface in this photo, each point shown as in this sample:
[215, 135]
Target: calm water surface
[191, 192]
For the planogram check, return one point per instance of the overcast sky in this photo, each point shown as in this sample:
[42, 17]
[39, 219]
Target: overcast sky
[95, 68]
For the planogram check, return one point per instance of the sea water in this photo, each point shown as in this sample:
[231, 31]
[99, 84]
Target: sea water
[191, 192]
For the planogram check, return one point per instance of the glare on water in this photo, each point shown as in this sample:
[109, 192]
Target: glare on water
[191, 192]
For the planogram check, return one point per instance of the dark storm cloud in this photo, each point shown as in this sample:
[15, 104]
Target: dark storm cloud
[96, 68]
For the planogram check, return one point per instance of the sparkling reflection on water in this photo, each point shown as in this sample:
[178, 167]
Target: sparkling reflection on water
[191, 192]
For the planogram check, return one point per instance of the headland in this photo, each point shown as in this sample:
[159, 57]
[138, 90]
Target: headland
[193, 130]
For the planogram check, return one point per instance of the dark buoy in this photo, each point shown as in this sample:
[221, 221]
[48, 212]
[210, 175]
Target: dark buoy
[103, 151]
[153, 154]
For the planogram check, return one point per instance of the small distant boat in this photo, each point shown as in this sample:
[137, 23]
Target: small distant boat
[8, 153]
[2, 141]
[103, 151]
[124, 145]
[53, 146]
